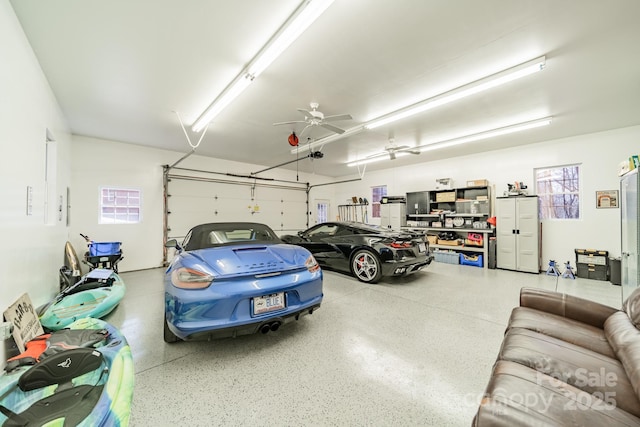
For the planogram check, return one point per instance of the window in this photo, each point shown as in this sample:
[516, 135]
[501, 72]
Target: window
[558, 189]
[120, 206]
[322, 212]
[377, 193]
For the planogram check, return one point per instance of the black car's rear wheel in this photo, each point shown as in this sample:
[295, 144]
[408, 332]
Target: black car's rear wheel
[169, 336]
[366, 266]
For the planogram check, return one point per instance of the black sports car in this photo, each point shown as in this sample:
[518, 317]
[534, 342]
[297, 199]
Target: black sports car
[367, 251]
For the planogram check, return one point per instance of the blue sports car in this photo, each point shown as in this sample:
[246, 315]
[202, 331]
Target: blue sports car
[237, 278]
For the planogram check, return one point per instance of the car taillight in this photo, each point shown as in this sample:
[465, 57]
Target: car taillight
[312, 264]
[187, 278]
[400, 245]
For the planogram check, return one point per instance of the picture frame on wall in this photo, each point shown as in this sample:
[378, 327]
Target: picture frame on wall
[606, 199]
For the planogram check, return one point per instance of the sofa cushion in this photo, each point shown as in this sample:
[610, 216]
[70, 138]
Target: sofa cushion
[592, 372]
[569, 330]
[625, 340]
[520, 396]
[632, 307]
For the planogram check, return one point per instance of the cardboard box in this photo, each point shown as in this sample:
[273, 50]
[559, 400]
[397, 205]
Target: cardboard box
[449, 242]
[478, 183]
[433, 240]
[446, 196]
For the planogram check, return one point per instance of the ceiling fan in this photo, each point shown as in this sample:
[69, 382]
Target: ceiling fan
[392, 150]
[314, 117]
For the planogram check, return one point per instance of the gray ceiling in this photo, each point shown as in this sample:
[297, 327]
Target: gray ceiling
[121, 68]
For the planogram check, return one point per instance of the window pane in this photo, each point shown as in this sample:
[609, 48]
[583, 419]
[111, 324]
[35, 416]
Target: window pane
[377, 193]
[120, 206]
[559, 192]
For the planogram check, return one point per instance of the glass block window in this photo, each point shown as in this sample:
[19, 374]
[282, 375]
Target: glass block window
[377, 193]
[120, 206]
[558, 190]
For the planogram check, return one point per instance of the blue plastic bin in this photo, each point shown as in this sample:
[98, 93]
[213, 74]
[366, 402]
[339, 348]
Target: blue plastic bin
[104, 248]
[474, 260]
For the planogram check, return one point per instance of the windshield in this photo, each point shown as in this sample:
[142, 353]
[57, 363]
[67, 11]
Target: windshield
[218, 234]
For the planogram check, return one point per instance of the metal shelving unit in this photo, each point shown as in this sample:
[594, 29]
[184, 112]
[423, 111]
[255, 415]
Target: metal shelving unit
[450, 204]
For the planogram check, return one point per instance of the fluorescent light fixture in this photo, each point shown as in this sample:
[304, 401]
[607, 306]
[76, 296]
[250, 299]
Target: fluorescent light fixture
[477, 86]
[300, 20]
[518, 127]
[221, 102]
[377, 158]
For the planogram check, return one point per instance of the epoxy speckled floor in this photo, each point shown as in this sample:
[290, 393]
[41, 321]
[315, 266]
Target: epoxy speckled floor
[414, 351]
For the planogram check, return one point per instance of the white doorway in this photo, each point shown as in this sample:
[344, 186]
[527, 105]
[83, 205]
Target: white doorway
[322, 211]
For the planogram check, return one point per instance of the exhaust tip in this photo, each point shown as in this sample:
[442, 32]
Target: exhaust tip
[265, 328]
[275, 326]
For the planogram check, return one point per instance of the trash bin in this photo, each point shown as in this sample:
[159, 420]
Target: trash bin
[492, 253]
[615, 269]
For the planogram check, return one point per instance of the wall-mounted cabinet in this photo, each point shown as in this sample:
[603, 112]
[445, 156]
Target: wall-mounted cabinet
[461, 211]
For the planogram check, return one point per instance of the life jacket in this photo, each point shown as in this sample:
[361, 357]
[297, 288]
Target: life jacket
[56, 342]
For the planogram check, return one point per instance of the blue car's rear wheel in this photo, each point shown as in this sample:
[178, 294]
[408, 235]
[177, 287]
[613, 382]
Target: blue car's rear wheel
[365, 265]
[169, 336]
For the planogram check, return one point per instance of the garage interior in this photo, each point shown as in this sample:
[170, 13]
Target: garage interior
[116, 96]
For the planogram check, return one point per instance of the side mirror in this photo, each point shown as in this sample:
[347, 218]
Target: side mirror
[172, 243]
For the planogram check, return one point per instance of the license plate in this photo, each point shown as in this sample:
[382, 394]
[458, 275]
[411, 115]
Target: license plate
[422, 247]
[267, 303]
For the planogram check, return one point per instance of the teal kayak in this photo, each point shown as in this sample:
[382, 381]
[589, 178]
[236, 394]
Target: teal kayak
[95, 295]
[84, 377]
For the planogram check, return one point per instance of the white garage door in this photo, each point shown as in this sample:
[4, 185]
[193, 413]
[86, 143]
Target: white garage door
[193, 198]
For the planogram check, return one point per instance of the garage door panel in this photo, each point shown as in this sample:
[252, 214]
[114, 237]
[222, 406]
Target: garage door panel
[192, 202]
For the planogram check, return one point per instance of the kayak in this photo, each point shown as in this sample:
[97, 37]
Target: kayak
[84, 377]
[95, 295]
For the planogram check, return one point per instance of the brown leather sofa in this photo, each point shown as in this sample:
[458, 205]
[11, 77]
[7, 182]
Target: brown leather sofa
[566, 361]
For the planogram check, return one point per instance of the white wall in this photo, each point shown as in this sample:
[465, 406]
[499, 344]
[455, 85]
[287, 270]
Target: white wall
[598, 154]
[32, 251]
[97, 163]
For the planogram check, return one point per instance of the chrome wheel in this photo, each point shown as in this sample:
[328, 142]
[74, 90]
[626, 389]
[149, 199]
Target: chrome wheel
[366, 266]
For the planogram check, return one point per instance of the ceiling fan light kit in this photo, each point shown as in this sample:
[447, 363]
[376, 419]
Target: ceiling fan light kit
[305, 14]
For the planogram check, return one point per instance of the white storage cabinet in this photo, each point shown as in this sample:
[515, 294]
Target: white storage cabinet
[518, 233]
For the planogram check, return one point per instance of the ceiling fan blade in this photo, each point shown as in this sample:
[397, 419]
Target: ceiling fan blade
[373, 156]
[332, 128]
[338, 117]
[406, 149]
[306, 113]
[289, 123]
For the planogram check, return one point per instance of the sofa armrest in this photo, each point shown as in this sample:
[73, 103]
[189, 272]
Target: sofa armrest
[569, 306]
